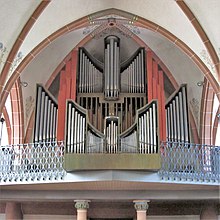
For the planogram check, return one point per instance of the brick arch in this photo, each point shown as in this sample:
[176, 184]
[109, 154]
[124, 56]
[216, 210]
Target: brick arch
[17, 127]
[200, 32]
[215, 126]
[85, 21]
[8, 123]
[206, 113]
[19, 41]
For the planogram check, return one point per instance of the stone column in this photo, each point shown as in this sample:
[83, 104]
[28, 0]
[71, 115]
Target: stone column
[209, 212]
[13, 211]
[81, 206]
[141, 207]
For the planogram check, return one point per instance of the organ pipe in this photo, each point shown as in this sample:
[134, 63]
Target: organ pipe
[133, 73]
[45, 116]
[111, 68]
[89, 73]
[177, 116]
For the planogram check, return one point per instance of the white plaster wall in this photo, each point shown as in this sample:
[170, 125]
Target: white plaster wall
[13, 16]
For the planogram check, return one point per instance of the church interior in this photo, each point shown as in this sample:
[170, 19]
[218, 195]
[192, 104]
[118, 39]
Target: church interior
[110, 109]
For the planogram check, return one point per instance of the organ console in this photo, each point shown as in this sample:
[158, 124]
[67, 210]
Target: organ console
[112, 121]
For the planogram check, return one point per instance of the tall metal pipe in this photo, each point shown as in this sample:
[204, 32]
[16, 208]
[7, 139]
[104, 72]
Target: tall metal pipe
[69, 128]
[72, 130]
[48, 120]
[41, 117]
[151, 130]
[155, 128]
[185, 115]
[181, 116]
[111, 67]
[178, 118]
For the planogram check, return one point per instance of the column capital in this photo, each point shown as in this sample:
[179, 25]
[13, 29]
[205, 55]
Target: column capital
[141, 205]
[81, 204]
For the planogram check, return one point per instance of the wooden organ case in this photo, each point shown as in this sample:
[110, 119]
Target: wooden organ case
[111, 115]
[110, 126]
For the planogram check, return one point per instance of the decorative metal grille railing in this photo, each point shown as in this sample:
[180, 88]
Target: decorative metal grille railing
[44, 161]
[190, 162]
[31, 162]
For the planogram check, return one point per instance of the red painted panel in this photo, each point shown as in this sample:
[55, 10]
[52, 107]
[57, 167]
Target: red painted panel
[162, 98]
[61, 107]
[149, 68]
[68, 79]
[74, 74]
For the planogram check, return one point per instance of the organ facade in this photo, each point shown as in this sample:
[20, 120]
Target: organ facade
[111, 113]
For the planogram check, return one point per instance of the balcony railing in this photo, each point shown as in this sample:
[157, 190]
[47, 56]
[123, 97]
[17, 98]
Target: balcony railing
[36, 161]
[44, 161]
[190, 162]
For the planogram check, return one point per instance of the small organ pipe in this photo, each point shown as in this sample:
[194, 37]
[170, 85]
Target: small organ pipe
[83, 134]
[48, 120]
[151, 131]
[45, 121]
[181, 116]
[171, 122]
[41, 116]
[83, 73]
[142, 71]
[155, 128]
[177, 117]
[167, 124]
[72, 128]
[174, 121]
[185, 115]
[148, 132]
[145, 133]
[55, 123]
[68, 127]
[80, 75]
[78, 134]
[37, 119]
[51, 121]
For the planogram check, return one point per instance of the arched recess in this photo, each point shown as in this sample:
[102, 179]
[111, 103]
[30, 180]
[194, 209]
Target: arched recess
[17, 113]
[139, 42]
[85, 21]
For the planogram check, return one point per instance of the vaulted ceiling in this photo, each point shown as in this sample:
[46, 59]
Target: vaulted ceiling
[36, 36]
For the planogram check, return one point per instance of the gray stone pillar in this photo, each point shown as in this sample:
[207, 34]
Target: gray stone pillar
[81, 206]
[13, 211]
[141, 207]
[209, 212]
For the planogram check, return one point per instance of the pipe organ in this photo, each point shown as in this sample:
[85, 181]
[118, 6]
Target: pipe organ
[45, 128]
[148, 128]
[131, 81]
[75, 128]
[111, 134]
[112, 108]
[177, 119]
[90, 79]
[112, 68]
